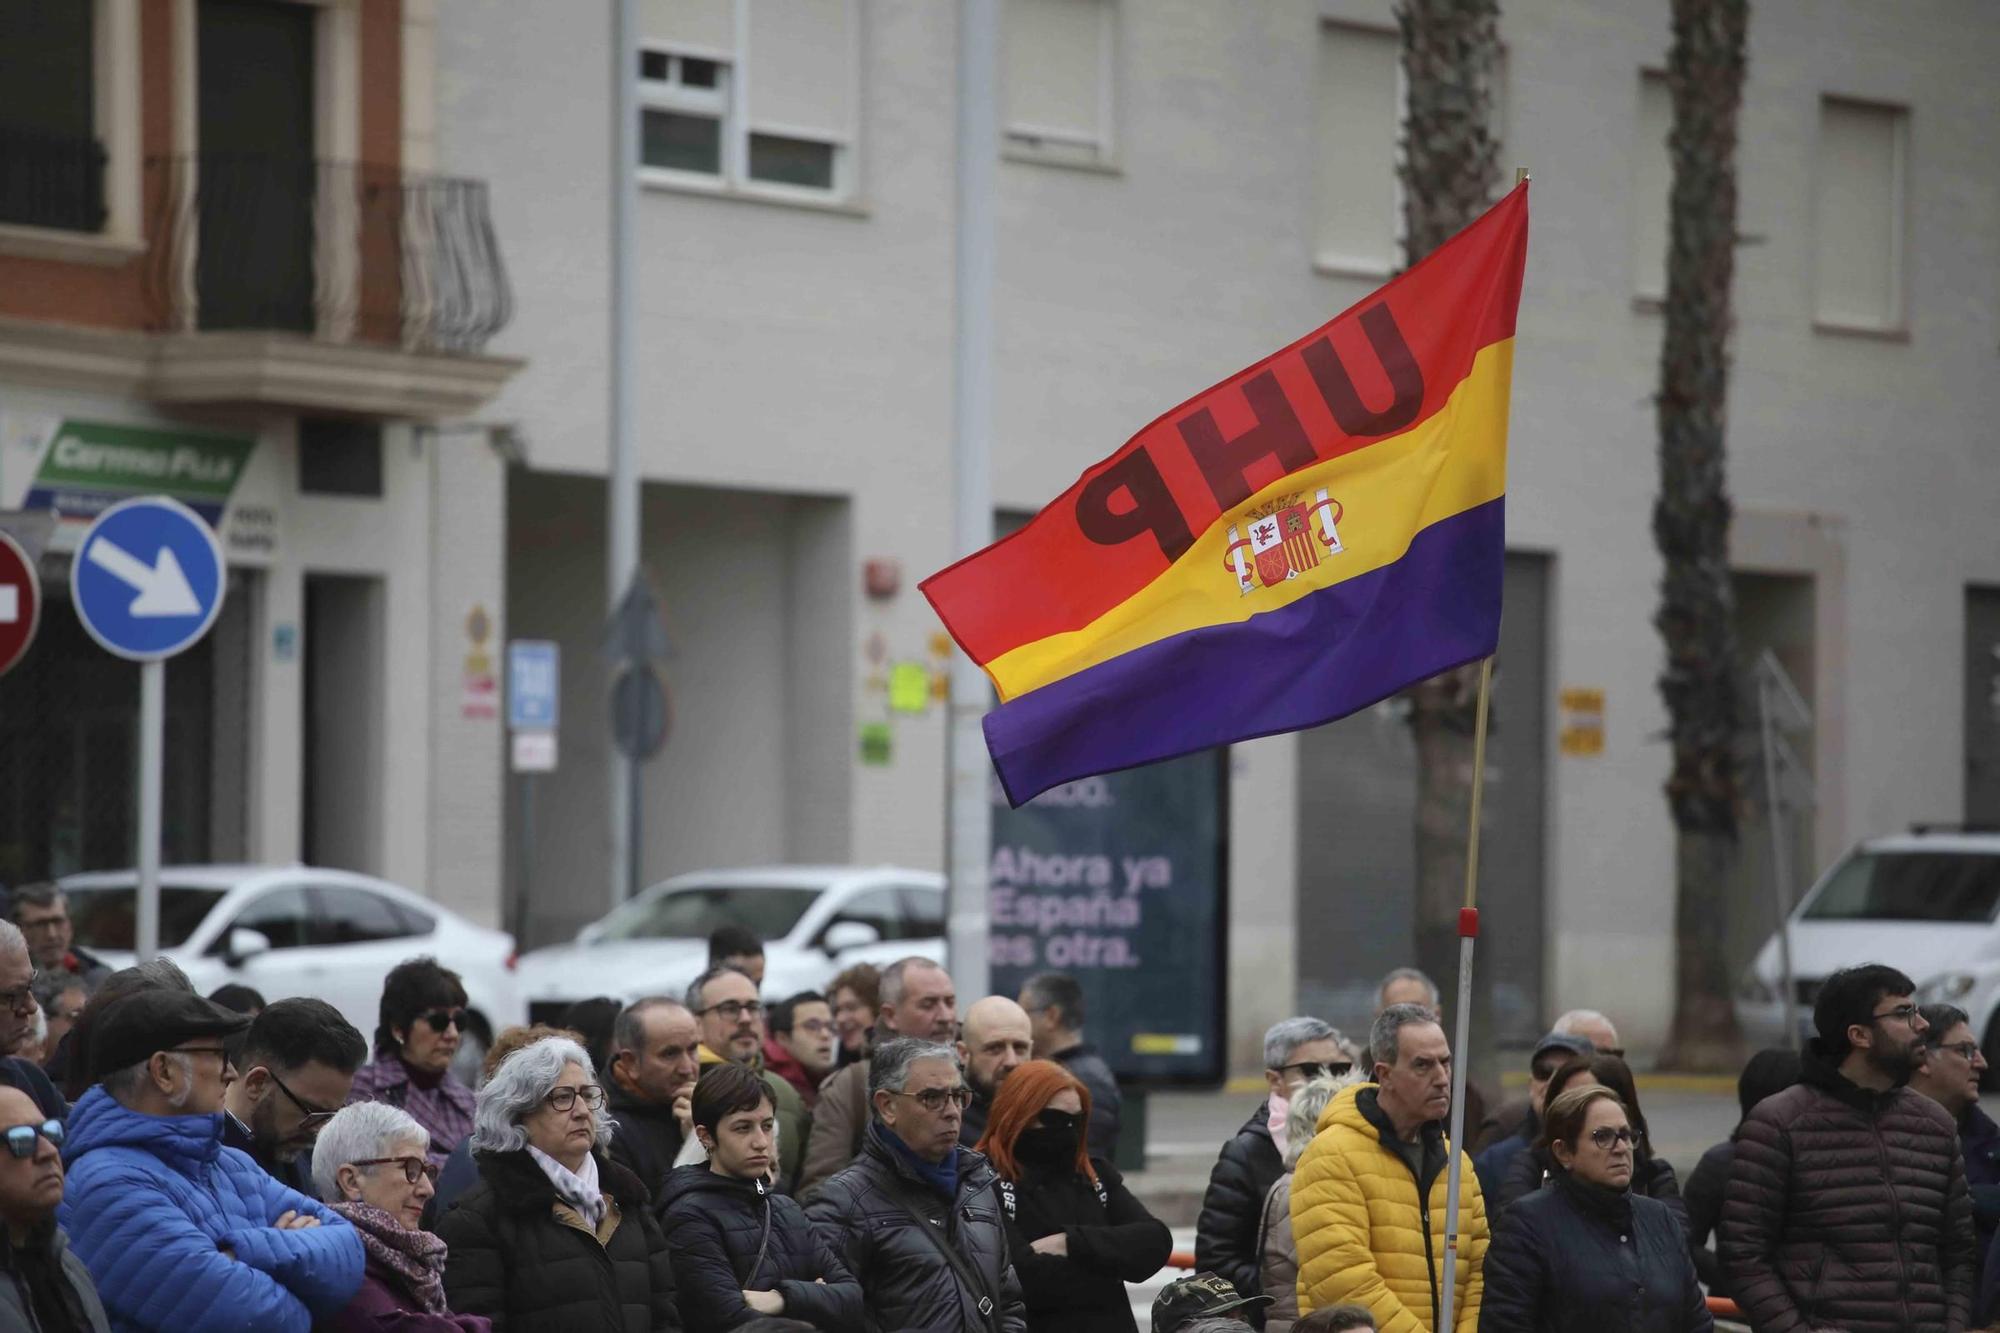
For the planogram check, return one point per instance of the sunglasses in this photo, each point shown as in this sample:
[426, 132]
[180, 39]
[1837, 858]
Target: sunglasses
[412, 1167]
[440, 1019]
[1312, 1069]
[21, 1138]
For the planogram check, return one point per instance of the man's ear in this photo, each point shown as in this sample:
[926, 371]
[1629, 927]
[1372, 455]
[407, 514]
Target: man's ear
[256, 1082]
[883, 1101]
[964, 1055]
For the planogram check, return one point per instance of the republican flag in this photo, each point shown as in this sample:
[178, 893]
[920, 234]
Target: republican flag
[1300, 541]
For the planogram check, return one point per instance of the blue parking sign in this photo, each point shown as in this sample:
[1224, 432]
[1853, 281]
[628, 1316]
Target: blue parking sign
[148, 578]
[534, 674]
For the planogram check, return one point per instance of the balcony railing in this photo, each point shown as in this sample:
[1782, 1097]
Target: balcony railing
[51, 180]
[342, 251]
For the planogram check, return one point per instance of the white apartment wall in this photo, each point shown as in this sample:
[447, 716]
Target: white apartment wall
[801, 350]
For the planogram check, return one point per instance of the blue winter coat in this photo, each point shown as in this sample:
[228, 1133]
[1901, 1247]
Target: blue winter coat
[150, 1205]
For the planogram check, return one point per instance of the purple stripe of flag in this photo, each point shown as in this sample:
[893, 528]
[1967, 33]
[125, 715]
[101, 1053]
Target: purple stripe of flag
[1329, 654]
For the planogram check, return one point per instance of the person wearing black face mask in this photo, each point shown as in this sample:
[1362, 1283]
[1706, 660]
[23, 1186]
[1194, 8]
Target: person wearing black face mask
[1076, 1234]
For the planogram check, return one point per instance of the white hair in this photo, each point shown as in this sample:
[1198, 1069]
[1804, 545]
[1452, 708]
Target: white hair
[359, 1133]
[123, 1085]
[11, 938]
[1568, 1024]
[518, 1087]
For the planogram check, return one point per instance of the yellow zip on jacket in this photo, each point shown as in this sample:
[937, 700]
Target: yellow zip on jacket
[1365, 1237]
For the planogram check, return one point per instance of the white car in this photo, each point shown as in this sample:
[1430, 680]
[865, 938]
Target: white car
[298, 930]
[1925, 902]
[814, 921]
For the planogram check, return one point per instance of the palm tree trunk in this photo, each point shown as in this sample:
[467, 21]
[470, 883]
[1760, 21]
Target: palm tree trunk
[1696, 616]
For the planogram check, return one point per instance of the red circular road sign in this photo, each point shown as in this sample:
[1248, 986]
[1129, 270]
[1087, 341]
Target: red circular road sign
[20, 602]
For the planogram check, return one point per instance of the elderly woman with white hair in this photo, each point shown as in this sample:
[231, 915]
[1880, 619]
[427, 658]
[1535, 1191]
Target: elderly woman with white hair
[555, 1237]
[371, 1164]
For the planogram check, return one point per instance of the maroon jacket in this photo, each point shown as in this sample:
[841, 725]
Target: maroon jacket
[1848, 1209]
[787, 1067]
[381, 1307]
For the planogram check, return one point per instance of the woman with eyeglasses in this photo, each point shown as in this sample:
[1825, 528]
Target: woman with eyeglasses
[1591, 1253]
[423, 1020]
[369, 1164]
[555, 1237]
[740, 1249]
[1076, 1234]
[1651, 1176]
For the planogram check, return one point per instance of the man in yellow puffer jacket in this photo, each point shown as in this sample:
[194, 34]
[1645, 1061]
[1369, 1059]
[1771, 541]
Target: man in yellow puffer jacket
[1368, 1200]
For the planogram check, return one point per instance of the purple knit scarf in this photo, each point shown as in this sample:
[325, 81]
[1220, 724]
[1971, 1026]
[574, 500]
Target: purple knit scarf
[414, 1258]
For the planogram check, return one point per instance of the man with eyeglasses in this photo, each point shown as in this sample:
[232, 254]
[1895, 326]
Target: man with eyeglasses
[916, 1216]
[43, 1285]
[724, 1001]
[1949, 1066]
[42, 913]
[1847, 1205]
[1296, 1051]
[18, 1012]
[298, 1063]
[801, 1047]
[178, 1231]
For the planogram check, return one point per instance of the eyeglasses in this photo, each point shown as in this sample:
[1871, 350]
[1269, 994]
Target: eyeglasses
[1967, 1051]
[933, 1099]
[52, 923]
[1604, 1136]
[21, 999]
[440, 1019]
[412, 1166]
[1905, 1012]
[21, 1138]
[1312, 1069]
[564, 1098]
[314, 1116]
[734, 1010]
[818, 1027]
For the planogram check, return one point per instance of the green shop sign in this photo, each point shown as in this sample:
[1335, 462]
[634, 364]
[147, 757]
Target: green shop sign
[89, 466]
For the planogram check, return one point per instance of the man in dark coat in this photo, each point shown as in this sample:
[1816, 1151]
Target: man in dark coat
[998, 1040]
[43, 1285]
[1766, 1074]
[1054, 1002]
[1948, 1070]
[655, 1045]
[1550, 1054]
[916, 1216]
[296, 1067]
[1296, 1051]
[1847, 1205]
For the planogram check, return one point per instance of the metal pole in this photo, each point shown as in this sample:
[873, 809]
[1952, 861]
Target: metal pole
[623, 536]
[152, 746]
[1781, 860]
[969, 819]
[1468, 931]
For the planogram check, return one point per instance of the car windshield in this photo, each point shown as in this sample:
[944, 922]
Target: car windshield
[1910, 886]
[105, 918]
[694, 912]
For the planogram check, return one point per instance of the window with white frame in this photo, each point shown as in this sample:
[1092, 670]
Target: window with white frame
[1358, 90]
[1058, 61]
[1858, 217]
[757, 96]
[1652, 186]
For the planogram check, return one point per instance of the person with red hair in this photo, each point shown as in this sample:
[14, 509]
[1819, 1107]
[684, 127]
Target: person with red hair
[1077, 1235]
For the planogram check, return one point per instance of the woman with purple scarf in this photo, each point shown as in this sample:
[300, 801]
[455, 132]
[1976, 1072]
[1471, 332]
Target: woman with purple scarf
[371, 1167]
[423, 1018]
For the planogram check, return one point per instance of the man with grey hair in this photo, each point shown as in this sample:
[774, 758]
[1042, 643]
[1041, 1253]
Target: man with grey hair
[916, 1215]
[1368, 1197]
[1407, 985]
[42, 913]
[724, 1002]
[19, 1015]
[1593, 1027]
[655, 1056]
[178, 1231]
[1296, 1051]
[917, 999]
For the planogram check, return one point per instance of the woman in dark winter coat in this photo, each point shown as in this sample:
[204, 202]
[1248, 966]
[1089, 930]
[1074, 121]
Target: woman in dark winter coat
[1077, 1236]
[739, 1250]
[1651, 1176]
[1589, 1252]
[555, 1237]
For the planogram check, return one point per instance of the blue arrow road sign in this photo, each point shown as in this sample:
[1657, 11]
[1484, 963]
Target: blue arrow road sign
[533, 673]
[148, 578]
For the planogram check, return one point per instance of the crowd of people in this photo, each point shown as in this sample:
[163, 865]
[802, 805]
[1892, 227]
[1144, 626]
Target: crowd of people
[865, 1160]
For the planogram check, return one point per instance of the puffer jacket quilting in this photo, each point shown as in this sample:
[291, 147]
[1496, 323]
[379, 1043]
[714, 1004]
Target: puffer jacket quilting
[1848, 1208]
[1225, 1233]
[1365, 1237]
[716, 1226]
[151, 1201]
[865, 1212]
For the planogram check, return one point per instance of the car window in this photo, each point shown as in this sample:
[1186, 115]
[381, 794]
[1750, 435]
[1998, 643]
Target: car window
[925, 909]
[283, 916]
[106, 918]
[355, 916]
[693, 913]
[1910, 886]
[880, 908]
[416, 921]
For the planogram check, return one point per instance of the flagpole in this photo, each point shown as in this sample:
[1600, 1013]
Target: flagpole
[1468, 933]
